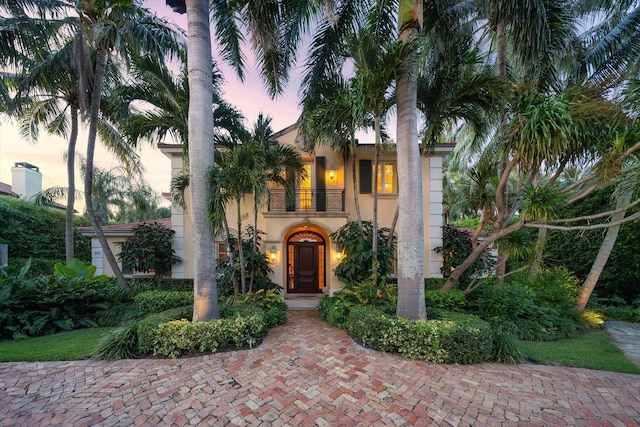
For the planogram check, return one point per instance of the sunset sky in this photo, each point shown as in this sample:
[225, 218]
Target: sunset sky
[250, 97]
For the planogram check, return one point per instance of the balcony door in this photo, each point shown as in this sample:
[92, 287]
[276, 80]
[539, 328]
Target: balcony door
[305, 263]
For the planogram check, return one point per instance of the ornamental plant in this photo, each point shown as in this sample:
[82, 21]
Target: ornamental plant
[149, 249]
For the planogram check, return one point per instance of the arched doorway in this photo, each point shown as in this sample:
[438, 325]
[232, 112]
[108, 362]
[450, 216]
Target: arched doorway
[306, 263]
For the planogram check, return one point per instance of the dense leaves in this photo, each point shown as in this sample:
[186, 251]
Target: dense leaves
[355, 265]
[33, 231]
[149, 249]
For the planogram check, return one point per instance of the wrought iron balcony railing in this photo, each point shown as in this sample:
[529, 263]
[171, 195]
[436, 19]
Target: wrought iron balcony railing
[306, 200]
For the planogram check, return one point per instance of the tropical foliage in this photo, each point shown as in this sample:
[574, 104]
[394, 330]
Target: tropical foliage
[149, 248]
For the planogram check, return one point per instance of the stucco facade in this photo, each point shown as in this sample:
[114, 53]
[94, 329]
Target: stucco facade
[297, 234]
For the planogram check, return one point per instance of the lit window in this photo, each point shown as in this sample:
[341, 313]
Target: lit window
[386, 178]
[305, 189]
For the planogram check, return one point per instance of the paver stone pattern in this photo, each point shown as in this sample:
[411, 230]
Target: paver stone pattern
[308, 373]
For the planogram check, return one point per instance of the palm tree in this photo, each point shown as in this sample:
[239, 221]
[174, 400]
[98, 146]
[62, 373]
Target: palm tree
[411, 303]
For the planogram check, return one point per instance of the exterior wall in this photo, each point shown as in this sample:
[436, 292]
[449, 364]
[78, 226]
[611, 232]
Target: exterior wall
[97, 254]
[280, 225]
[26, 180]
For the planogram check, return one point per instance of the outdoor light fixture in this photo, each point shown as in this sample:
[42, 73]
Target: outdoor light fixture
[332, 174]
[273, 253]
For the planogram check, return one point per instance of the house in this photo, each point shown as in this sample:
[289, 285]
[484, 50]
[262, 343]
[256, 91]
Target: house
[26, 180]
[115, 234]
[297, 240]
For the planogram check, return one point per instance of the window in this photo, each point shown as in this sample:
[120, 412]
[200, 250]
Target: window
[305, 189]
[222, 252]
[386, 178]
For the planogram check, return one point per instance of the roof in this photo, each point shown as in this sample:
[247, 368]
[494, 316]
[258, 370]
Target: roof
[5, 190]
[124, 229]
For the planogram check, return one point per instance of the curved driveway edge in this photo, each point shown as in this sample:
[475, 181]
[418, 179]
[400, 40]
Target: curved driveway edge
[308, 373]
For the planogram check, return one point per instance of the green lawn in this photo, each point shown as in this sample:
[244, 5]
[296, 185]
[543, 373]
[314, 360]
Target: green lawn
[72, 345]
[592, 351]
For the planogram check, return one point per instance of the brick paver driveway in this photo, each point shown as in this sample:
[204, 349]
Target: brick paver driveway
[308, 373]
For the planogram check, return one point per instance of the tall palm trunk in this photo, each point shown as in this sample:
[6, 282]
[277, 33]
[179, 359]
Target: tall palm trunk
[254, 246]
[232, 256]
[201, 156]
[603, 253]
[96, 96]
[71, 183]
[411, 304]
[243, 282]
[376, 167]
[354, 177]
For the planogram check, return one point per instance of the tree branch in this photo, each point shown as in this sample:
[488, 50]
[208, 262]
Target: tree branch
[584, 227]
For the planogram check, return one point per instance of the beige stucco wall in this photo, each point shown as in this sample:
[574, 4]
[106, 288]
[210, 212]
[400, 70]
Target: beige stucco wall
[280, 225]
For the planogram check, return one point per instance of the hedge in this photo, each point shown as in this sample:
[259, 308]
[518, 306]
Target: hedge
[459, 339]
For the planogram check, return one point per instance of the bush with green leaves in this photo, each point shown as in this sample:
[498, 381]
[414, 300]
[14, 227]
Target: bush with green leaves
[149, 324]
[514, 308]
[33, 231]
[356, 264]
[47, 304]
[555, 287]
[156, 301]
[120, 343]
[454, 300]
[38, 266]
[456, 247]
[182, 337]
[149, 248]
[275, 310]
[455, 339]
[77, 268]
[254, 261]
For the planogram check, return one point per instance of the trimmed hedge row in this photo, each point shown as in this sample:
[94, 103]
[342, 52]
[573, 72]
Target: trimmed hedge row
[457, 339]
[155, 301]
[182, 337]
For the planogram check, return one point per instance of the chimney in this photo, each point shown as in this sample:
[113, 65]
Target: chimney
[26, 180]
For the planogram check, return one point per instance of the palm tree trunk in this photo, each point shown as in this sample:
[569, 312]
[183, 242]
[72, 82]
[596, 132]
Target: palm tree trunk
[254, 246]
[411, 304]
[392, 229]
[243, 282]
[603, 254]
[96, 96]
[201, 157]
[355, 183]
[232, 257]
[501, 35]
[71, 177]
[376, 166]
[540, 244]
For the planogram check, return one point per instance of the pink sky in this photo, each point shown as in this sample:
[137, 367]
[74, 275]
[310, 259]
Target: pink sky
[249, 96]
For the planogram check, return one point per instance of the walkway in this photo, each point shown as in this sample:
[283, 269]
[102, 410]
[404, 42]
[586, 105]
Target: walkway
[308, 373]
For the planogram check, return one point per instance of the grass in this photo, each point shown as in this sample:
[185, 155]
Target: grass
[72, 345]
[576, 352]
[593, 350]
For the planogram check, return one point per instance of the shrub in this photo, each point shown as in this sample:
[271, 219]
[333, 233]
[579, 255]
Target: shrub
[456, 247]
[454, 300]
[456, 338]
[433, 283]
[556, 287]
[274, 316]
[626, 314]
[121, 343]
[505, 348]
[181, 337]
[333, 311]
[355, 266]
[47, 304]
[39, 266]
[383, 296]
[260, 298]
[155, 301]
[77, 268]
[149, 324]
[149, 249]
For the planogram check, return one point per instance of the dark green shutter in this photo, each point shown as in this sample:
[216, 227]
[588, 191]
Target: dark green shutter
[366, 176]
[321, 188]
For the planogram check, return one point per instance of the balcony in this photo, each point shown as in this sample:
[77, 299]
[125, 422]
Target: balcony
[307, 200]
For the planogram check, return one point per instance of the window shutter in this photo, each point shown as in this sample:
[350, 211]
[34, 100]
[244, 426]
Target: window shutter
[366, 176]
[290, 194]
[321, 192]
